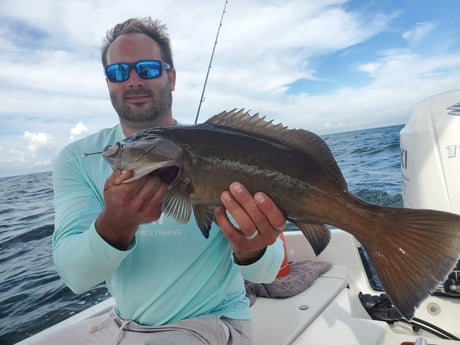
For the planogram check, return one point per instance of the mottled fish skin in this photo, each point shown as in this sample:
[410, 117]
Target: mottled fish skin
[412, 250]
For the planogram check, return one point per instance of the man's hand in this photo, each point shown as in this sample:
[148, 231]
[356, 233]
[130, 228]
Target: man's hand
[127, 205]
[259, 221]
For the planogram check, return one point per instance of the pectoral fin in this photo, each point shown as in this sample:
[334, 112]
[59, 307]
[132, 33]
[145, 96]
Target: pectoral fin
[318, 235]
[177, 204]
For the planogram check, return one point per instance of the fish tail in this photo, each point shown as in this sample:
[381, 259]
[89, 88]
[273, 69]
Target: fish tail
[412, 252]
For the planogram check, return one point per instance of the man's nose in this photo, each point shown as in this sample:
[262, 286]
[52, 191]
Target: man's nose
[134, 79]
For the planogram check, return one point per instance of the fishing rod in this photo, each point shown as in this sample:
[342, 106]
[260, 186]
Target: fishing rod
[210, 63]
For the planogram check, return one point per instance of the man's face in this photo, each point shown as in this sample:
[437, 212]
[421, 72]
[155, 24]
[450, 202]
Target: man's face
[140, 103]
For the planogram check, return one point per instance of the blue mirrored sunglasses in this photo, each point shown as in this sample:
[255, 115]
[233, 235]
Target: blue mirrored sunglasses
[146, 69]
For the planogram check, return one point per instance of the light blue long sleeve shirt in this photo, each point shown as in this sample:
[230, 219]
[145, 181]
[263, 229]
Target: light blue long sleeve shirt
[170, 271]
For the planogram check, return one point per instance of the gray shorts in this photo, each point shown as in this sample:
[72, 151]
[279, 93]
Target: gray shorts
[110, 329]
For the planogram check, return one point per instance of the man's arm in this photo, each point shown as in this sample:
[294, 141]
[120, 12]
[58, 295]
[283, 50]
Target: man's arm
[85, 251]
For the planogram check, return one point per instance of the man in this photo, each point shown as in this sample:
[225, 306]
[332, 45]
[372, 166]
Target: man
[171, 285]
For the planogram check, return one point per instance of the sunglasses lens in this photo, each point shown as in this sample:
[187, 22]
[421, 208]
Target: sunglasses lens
[118, 72]
[148, 69]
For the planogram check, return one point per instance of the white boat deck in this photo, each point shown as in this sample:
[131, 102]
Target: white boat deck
[325, 313]
[301, 311]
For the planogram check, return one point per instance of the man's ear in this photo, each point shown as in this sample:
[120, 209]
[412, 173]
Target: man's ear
[172, 78]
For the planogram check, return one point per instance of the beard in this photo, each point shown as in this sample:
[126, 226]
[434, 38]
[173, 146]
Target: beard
[148, 115]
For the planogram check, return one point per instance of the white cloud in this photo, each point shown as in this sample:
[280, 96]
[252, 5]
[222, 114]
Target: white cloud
[33, 152]
[77, 131]
[371, 68]
[40, 147]
[37, 139]
[418, 33]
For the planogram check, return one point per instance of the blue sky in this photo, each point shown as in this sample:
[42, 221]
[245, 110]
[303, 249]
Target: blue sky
[323, 65]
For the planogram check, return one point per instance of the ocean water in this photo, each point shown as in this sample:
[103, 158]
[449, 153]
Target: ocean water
[32, 296]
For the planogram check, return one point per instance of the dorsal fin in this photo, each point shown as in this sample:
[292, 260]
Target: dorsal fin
[303, 140]
[252, 124]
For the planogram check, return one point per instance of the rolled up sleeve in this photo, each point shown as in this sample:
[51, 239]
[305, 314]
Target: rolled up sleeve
[267, 267]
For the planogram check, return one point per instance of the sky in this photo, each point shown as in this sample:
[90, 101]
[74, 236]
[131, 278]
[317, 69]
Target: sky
[322, 65]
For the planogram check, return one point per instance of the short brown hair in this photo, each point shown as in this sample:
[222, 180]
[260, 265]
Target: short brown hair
[153, 28]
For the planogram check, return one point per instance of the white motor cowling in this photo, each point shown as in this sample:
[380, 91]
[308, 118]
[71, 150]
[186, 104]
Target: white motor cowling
[430, 164]
[430, 154]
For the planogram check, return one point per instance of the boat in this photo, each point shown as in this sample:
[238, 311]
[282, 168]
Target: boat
[346, 305]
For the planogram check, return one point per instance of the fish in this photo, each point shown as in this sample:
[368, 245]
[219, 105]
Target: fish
[412, 250]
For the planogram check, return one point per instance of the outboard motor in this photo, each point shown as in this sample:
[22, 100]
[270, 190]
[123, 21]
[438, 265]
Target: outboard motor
[430, 154]
[430, 162]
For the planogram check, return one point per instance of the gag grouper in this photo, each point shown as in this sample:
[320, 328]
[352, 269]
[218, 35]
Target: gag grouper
[412, 250]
